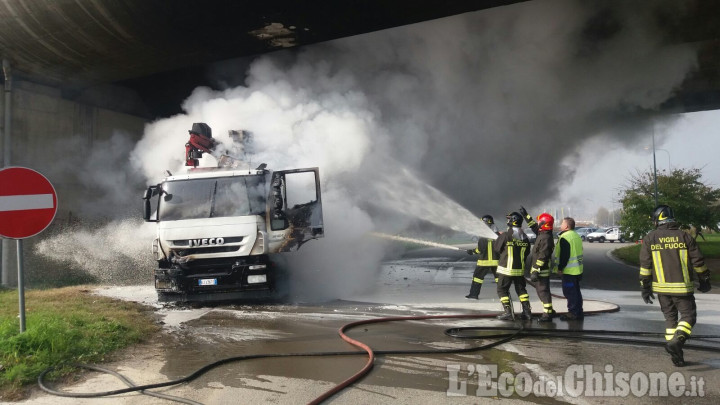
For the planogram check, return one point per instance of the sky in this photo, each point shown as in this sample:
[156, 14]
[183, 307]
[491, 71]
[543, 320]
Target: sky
[692, 140]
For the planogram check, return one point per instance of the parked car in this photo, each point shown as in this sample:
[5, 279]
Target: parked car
[613, 234]
[584, 232]
[597, 235]
[606, 234]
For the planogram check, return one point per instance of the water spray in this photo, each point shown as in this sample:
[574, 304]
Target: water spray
[411, 240]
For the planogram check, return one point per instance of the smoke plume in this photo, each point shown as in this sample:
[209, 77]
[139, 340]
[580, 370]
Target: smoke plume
[441, 121]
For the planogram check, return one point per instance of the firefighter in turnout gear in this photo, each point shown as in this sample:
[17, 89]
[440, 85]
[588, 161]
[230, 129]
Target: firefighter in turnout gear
[513, 247]
[487, 261]
[542, 255]
[669, 261]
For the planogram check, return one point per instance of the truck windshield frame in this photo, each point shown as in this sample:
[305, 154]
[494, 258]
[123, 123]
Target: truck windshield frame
[213, 197]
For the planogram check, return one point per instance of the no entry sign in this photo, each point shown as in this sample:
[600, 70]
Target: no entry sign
[28, 202]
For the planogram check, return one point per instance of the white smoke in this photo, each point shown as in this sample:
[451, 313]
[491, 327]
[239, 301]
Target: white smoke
[487, 109]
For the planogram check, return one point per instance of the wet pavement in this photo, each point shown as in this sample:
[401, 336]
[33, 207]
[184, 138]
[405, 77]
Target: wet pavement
[424, 282]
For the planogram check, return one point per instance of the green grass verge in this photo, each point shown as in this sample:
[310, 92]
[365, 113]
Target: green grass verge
[63, 326]
[710, 246]
[628, 254]
[710, 249]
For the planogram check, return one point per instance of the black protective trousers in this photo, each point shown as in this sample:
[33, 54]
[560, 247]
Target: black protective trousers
[672, 305]
[478, 277]
[542, 288]
[504, 283]
[482, 271]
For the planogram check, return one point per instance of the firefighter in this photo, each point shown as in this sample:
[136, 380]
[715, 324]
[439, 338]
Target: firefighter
[201, 140]
[513, 247]
[542, 254]
[568, 262]
[668, 257]
[487, 260]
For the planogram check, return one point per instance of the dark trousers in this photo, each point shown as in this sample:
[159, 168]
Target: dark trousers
[478, 276]
[542, 287]
[482, 271]
[504, 283]
[671, 305]
[571, 291]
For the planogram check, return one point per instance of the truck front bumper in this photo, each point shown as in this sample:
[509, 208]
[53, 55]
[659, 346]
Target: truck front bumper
[209, 279]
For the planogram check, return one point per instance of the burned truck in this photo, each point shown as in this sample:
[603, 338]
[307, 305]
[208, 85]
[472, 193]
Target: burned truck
[218, 228]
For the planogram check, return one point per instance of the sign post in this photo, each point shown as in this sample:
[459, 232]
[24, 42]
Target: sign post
[28, 204]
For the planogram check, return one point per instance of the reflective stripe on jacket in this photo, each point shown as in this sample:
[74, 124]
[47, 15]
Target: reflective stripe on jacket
[512, 254]
[668, 257]
[542, 253]
[574, 266]
[487, 258]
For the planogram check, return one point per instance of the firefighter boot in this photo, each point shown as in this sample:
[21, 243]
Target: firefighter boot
[548, 315]
[674, 347]
[508, 315]
[526, 311]
[474, 291]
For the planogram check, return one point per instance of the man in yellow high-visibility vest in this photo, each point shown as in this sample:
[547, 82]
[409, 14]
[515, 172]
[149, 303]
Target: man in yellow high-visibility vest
[568, 262]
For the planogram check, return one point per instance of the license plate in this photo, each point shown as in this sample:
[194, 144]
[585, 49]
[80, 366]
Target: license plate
[207, 281]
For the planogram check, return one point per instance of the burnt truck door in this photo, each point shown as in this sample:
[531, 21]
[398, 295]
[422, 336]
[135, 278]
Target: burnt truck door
[294, 209]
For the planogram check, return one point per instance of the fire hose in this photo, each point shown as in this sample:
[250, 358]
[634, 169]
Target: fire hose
[458, 333]
[501, 335]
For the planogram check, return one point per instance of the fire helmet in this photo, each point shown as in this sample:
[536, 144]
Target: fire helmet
[201, 128]
[514, 219]
[662, 215]
[546, 221]
[488, 219]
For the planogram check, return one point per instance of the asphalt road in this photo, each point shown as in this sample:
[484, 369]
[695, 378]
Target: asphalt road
[422, 282]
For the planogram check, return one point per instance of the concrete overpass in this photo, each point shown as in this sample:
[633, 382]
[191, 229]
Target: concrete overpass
[75, 46]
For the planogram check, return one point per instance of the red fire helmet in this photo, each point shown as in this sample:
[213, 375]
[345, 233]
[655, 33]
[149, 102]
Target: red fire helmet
[546, 221]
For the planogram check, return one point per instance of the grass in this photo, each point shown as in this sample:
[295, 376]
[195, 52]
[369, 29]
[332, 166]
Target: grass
[63, 326]
[710, 249]
[711, 246]
[628, 254]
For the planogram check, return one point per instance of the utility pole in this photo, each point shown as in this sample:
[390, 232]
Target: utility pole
[655, 167]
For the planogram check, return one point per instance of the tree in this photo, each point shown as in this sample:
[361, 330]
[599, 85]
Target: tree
[693, 202]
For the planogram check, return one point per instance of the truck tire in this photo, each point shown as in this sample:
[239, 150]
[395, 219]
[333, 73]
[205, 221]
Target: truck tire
[602, 239]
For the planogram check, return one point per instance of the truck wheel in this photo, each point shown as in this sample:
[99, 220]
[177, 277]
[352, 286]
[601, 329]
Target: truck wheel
[602, 239]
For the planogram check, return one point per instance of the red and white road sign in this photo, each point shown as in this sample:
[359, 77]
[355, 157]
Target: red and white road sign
[28, 202]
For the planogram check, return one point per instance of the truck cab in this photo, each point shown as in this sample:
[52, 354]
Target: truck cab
[218, 227]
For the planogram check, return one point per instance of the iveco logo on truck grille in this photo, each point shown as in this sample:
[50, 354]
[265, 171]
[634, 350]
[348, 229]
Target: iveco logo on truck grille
[206, 242]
